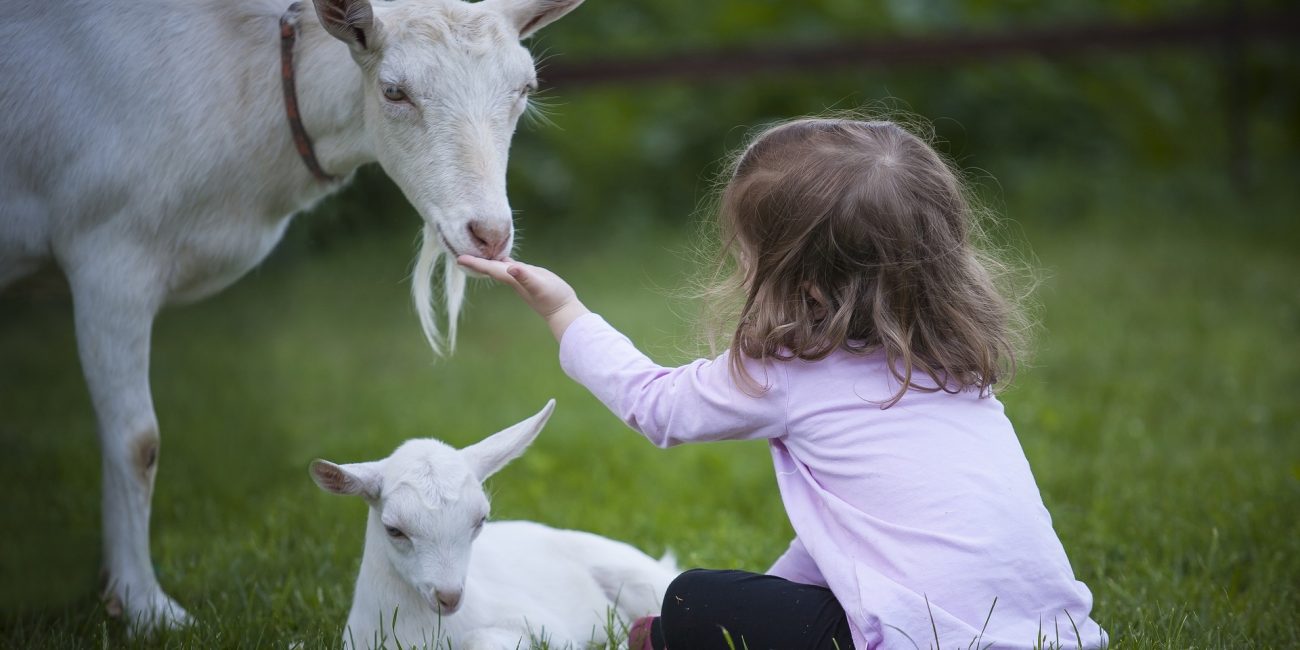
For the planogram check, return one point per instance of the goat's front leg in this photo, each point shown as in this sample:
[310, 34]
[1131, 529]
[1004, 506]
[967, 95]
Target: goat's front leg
[114, 319]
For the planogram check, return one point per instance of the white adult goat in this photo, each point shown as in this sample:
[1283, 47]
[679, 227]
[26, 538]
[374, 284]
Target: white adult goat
[147, 152]
[523, 580]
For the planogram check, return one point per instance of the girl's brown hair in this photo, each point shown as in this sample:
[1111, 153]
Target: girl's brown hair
[858, 235]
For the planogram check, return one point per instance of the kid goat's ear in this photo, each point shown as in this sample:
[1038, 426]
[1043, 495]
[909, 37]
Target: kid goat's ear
[528, 16]
[350, 21]
[355, 479]
[489, 455]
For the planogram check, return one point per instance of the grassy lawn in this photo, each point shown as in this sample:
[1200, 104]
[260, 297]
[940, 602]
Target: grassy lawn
[1158, 413]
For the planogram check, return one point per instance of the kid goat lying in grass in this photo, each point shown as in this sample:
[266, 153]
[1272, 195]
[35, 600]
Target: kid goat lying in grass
[420, 586]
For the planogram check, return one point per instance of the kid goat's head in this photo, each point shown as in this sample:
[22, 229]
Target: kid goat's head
[427, 505]
[444, 83]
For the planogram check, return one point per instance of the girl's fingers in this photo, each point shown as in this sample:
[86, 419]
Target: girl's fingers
[490, 268]
[523, 278]
[511, 272]
[471, 263]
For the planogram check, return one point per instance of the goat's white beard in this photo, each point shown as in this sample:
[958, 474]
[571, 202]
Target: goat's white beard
[422, 291]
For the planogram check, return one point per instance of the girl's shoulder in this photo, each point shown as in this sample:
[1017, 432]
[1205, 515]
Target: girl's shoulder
[850, 358]
[867, 372]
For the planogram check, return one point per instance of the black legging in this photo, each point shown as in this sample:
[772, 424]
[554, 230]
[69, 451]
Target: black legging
[759, 612]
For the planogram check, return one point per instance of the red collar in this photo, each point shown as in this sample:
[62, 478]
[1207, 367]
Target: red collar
[288, 34]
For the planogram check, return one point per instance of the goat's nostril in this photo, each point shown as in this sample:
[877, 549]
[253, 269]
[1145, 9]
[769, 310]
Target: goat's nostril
[474, 229]
[490, 240]
[448, 600]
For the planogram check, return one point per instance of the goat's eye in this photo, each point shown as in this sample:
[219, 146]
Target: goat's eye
[394, 532]
[393, 93]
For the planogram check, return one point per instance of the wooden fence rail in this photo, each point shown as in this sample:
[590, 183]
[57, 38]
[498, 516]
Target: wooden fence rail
[1226, 36]
[1224, 29]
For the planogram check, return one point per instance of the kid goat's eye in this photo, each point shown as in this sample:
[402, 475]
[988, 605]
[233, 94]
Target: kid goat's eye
[395, 533]
[393, 93]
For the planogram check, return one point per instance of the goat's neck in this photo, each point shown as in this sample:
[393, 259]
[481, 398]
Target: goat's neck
[330, 99]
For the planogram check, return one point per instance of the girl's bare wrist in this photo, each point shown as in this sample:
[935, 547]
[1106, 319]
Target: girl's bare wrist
[560, 319]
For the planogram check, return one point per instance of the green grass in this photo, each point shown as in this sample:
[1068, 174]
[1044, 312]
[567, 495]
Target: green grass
[1158, 413]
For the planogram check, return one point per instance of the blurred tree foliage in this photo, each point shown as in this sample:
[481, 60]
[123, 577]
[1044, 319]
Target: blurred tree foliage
[627, 153]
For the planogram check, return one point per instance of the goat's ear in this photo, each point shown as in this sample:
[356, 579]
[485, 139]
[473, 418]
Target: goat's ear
[355, 479]
[528, 16]
[350, 21]
[489, 455]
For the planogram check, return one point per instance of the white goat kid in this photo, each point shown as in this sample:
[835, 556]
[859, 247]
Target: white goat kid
[147, 153]
[522, 581]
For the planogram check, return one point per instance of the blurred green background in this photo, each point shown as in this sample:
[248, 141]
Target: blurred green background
[1153, 188]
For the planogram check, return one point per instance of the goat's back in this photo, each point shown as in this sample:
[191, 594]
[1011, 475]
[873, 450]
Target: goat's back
[110, 108]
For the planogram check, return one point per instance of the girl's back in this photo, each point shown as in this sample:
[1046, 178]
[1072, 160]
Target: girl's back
[929, 499]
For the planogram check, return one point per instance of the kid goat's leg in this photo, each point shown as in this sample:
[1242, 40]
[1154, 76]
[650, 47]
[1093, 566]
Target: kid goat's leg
[114, 319]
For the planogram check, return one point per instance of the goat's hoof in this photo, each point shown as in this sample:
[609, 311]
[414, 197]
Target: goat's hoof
[147, 612]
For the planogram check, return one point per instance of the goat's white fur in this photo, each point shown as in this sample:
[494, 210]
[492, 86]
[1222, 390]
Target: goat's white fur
[522, 580]
[146, 153]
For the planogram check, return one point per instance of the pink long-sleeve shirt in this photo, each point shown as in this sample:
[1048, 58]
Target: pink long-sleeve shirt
[916, 516]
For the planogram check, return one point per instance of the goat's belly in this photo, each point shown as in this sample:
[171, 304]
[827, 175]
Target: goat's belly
[210, 262]
[24, 233]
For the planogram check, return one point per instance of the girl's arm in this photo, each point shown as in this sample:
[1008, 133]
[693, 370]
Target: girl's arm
[696, 402]
[693, 403]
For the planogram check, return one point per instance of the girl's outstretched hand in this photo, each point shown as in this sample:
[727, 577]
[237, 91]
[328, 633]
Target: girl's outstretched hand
[547, 293]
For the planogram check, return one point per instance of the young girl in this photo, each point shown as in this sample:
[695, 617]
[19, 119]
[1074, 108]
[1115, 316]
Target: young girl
[866, 352]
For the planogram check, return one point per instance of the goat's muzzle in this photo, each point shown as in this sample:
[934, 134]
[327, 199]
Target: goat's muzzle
[446, 602]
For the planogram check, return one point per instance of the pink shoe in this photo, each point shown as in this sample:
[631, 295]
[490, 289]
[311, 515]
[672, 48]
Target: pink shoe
[638, 636]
